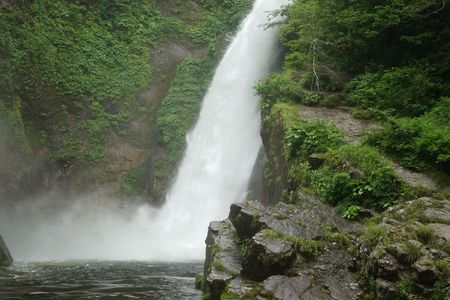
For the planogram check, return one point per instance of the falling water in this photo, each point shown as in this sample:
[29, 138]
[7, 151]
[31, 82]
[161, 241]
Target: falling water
[215, 171]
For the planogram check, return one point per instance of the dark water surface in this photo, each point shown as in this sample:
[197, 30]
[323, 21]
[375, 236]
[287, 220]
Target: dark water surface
[100, 280]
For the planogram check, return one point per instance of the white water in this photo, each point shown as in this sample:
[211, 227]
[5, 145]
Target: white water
[215, 171]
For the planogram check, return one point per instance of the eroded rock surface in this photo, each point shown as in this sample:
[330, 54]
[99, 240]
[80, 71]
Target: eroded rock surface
[281, 252]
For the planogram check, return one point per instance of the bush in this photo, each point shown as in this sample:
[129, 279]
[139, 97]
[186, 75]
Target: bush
[279, 87]
[419, 143]
[407, 91]
[306, 138]
[357, 175]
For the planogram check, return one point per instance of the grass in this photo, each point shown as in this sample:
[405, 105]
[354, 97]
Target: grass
[425, 233]
[413, 252]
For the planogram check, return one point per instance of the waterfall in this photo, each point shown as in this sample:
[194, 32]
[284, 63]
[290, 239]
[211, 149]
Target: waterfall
[223, 146]
[215, 171]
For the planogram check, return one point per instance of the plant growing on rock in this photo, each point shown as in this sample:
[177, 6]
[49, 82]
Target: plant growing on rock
[413, 251]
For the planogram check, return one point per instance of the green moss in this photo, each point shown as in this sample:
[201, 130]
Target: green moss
[218, 265]
[229, 296]
[134, 183]
[285, 114]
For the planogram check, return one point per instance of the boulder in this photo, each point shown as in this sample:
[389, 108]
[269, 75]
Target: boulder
[287, 288]
[426, 270]
[5, 257]
[267, 256]
[305, 220]
[386, 290]
[223, 260]
[442, 231]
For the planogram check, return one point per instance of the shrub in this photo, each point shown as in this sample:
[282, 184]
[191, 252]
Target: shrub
[279, 87]
[408, 91]
[357, 175]
[419, 143]
[306, 138]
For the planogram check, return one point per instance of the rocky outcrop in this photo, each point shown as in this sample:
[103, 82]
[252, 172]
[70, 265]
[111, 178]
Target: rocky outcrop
[282, 252]
[5, 257]
[407, 254]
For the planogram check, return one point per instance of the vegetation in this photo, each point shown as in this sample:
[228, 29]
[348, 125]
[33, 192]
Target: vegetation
[76, 65]
[390, 59]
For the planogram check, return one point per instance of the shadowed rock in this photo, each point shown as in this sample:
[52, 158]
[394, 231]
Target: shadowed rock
[5, 257]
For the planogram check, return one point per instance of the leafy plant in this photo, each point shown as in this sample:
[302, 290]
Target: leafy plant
[306, 138]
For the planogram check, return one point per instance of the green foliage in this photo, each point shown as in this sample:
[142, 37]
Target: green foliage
[134, 183]
[405, 288]
[405, 91]
[371, 233]
[335, 235]
[279, 87]
[424, 233]
[413, 252]
[307, 248]
[77, 65]
[440, 289]
[419, 143]
[229, 296]
[218, 265]
[306, 138]
[357, 175]
[179, 110]
[351, 212]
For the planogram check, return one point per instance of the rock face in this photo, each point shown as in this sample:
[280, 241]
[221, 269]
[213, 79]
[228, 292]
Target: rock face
[5, 256]
[281, 252]
[410, 253]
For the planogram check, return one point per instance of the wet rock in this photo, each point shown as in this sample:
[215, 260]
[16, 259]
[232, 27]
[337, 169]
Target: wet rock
[397, 251]
[442, 231]
[387, 268]
[223, 260]
[287, 288]
[5, 257]
[386, 290]
[240, 287]
[435, 214]
[267, 256]
[305, 220]
[246, 218]
[427, 273]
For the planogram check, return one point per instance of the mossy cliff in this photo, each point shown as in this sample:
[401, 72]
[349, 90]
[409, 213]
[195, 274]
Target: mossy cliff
[98, 95]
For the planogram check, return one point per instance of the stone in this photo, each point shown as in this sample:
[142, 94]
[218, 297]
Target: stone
[5, 257]
[223, 259]
[387, 268]
[398, 251]
[267, 256]
[426, 270]
[386, 290]
[287, 288]
[437, 215]
[245, 218]
[240, 287]
[442, 231]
